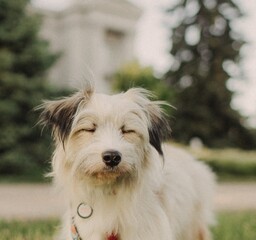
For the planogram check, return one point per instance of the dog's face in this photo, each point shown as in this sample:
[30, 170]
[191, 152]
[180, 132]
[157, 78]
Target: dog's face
[104, 139]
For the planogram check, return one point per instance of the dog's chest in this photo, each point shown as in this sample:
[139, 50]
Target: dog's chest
[76, 236]
[96, 232]
[117, 217]
[100, 223]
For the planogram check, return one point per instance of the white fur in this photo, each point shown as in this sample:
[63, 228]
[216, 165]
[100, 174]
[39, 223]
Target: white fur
[145, 197]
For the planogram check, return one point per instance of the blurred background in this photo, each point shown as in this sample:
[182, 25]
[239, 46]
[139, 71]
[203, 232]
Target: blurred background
[198, 55]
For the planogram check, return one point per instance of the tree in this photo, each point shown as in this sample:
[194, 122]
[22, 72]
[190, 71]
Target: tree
[24, 59]
[204, 47]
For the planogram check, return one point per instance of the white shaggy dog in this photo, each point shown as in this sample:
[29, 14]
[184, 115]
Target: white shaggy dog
[121, 183]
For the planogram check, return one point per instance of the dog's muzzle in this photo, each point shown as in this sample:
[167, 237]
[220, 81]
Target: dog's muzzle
[111, 158]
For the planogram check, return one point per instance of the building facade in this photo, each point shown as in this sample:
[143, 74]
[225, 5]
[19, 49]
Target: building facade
[94, 39]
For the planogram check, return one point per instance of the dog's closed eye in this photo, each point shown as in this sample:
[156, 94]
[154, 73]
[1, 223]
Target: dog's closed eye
[125, 130]
[88, 129]
[91, 130]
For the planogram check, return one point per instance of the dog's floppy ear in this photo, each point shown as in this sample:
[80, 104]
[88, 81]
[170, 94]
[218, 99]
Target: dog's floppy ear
[158, 125]
[59, 114]
[159, 128]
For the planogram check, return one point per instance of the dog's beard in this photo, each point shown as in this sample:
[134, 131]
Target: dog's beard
[111, 175]
[95, 171]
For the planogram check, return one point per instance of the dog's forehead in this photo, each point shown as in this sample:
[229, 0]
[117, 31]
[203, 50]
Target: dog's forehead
[114, 109]
[105, 103]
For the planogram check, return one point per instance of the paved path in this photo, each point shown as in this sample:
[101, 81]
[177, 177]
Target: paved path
[33, 201]
[29, 201]
[236, 196]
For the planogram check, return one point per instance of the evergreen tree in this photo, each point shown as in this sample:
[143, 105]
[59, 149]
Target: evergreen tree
[24, 59]
[203, 47]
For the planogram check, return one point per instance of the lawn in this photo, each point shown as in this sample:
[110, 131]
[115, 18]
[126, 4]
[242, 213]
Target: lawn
[236, 226]
[28, 230]
[231, 226]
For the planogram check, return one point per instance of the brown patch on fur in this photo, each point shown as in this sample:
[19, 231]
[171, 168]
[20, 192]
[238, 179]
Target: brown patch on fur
[200, 235]
[106, 175]
[204, 234]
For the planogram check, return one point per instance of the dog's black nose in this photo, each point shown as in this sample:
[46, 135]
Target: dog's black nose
[111, 158]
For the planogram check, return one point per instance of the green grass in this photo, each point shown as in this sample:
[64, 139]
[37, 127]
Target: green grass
[236, 226]
[231, 226]
[28, 230]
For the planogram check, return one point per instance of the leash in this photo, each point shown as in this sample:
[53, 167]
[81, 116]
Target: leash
[74, 232]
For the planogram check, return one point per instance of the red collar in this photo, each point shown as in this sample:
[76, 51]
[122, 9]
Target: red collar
[112, 237]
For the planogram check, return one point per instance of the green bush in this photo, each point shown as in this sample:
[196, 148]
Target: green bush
[231, 169]
[133, 75]
[229, 163]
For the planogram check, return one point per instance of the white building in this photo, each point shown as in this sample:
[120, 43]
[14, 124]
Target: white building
[95, 38]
